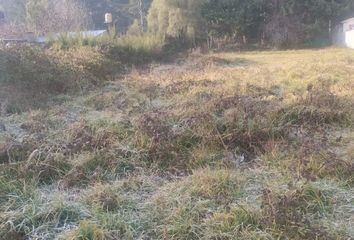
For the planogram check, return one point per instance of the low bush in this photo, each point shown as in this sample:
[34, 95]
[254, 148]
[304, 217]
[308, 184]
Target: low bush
[30, 76]
[127, 49]
[135, 50]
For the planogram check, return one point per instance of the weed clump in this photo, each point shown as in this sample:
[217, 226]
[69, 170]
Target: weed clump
[239, 221]
[13, 151]
[167, 145]
[87, 230]
[312, 166]
[290, 215]
[319, 107]
[309, 115]
[186, 212]
[48, 168]
[108, 198]
[246, 124]
[83, 137]
[26, 212]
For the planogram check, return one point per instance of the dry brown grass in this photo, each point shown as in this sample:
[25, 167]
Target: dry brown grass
[254, 145]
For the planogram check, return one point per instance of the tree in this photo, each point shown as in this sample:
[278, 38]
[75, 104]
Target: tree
[135, 29]
[237, 18]
[284, 23]
[294, 22]
[14, 10]
[177, 18]
[56, 15]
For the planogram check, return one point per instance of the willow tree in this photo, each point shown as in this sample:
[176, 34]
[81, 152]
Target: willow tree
[177, 18]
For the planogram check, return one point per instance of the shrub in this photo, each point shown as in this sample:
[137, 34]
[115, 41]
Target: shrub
[30, 76]
[136, 50]
[128, 49]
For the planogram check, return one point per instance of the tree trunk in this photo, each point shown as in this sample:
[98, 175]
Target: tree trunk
[141, 13]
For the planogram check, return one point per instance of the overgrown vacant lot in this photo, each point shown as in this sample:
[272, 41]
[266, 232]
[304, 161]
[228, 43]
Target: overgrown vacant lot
[255, 145]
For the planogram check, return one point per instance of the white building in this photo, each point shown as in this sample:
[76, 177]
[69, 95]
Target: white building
[348, 25]
[348, 30]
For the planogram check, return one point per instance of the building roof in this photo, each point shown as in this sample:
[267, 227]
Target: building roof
[85, 34]
[30, 37]
[348, 20]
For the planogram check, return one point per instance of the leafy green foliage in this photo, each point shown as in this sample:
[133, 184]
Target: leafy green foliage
[281, 23]
[181, 19]
[233, 18]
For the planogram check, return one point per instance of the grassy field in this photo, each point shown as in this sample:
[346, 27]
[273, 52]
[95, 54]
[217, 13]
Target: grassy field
[253, 145]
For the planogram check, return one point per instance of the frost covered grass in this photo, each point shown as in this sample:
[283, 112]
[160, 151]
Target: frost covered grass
[253, 145]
